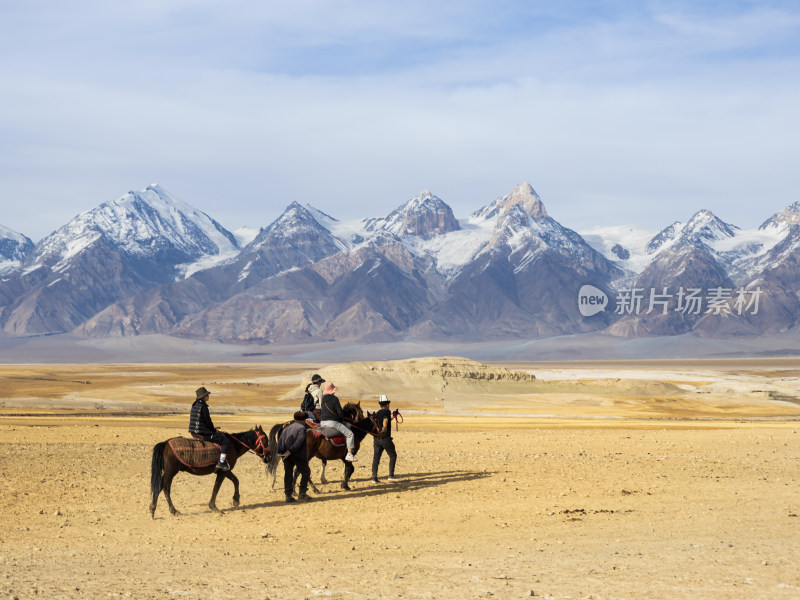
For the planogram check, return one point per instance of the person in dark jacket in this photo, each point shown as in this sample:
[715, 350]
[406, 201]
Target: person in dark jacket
[333, 416]
[201, 427]
[292, 448]
[383, 441]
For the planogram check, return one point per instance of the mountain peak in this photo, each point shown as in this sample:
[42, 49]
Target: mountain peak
[788, 216]
[705, 225]
[425, 216]
[13, 246]
[525, 196]
[295, 223]
[141, 223]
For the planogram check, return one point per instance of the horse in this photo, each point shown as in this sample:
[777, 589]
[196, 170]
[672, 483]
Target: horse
[166, 465]
[322, 448]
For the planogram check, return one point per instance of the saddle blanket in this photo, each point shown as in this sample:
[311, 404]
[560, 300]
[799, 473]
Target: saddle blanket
[194, 453]
[333, 435]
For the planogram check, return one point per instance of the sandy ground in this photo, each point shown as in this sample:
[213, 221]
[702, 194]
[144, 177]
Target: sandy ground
[666, 506]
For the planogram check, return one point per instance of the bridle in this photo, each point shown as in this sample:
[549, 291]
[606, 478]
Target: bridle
[260, 446]
[374, 431]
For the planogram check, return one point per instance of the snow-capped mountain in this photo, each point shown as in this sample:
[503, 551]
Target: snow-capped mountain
[524, 278]
[14, 247]
[424, 216]
[149, 263]
[111, 252]
[150, 224]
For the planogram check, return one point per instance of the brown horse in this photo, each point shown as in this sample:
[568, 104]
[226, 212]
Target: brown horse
[324, 449]
[165, 466]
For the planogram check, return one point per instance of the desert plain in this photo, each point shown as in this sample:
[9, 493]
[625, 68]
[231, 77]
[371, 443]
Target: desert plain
[637, 479]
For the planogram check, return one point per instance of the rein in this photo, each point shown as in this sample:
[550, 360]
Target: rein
[397, 417]
[371, 432]
[260, 444]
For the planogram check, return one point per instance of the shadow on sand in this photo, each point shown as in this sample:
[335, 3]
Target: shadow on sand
[410, 482]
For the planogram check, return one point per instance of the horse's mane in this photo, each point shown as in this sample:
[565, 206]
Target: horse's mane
[353, 408]
[362, 428]
[246, 437]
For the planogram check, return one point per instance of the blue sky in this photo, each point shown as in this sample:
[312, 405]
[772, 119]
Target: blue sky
[615, 112]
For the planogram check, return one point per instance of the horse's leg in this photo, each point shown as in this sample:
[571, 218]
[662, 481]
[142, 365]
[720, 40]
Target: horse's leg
[153, 503]
[156, 476]
[322, 477]
[212, 504]
[348, 470]
[235, 480]
[169, 475]
[310, 482]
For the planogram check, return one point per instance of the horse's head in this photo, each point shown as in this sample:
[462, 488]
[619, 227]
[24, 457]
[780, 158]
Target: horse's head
[352, 411]
[373, 419]
[261, 446]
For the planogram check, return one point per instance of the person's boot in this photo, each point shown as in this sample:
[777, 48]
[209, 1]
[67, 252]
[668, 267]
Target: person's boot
[222, 466]
[290, 499]
[304, 497]
[375, 479]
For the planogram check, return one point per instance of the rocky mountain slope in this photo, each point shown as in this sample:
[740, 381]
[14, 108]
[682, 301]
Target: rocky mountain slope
[150, 263]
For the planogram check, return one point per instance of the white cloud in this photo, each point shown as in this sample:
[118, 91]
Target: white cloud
[613, 115]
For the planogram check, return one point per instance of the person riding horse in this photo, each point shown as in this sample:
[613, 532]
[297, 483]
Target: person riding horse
[202, 428]
[315, 391]
[333, 416]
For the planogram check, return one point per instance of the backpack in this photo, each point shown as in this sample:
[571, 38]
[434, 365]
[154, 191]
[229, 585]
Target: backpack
[308, 403]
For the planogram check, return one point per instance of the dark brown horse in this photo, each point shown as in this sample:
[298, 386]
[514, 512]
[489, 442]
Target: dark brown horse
[166, 465]
[322, 448]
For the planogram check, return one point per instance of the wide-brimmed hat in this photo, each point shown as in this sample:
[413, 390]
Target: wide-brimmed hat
[383, 399]
[201, 392]
[315, 378]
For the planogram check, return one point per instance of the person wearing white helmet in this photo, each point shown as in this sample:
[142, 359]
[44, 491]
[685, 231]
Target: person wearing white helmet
[383, 440]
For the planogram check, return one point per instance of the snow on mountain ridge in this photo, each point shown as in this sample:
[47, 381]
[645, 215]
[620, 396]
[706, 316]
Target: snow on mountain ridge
[630, 239]
[424, 216]
[788, 216]
[139, 223]
[10, 234]
[14, 247]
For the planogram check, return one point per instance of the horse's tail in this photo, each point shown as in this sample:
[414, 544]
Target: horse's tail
[272, 466]
[157, 470]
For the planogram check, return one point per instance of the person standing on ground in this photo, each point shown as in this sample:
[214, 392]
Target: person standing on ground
[383, 440]
[333, 416]
[292, 447]
[201, 427]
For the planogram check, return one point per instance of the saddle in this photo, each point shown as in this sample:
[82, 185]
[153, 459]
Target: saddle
[334, 436]
[195, 453]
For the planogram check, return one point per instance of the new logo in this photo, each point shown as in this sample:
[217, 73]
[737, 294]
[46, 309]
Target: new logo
[591, 300]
